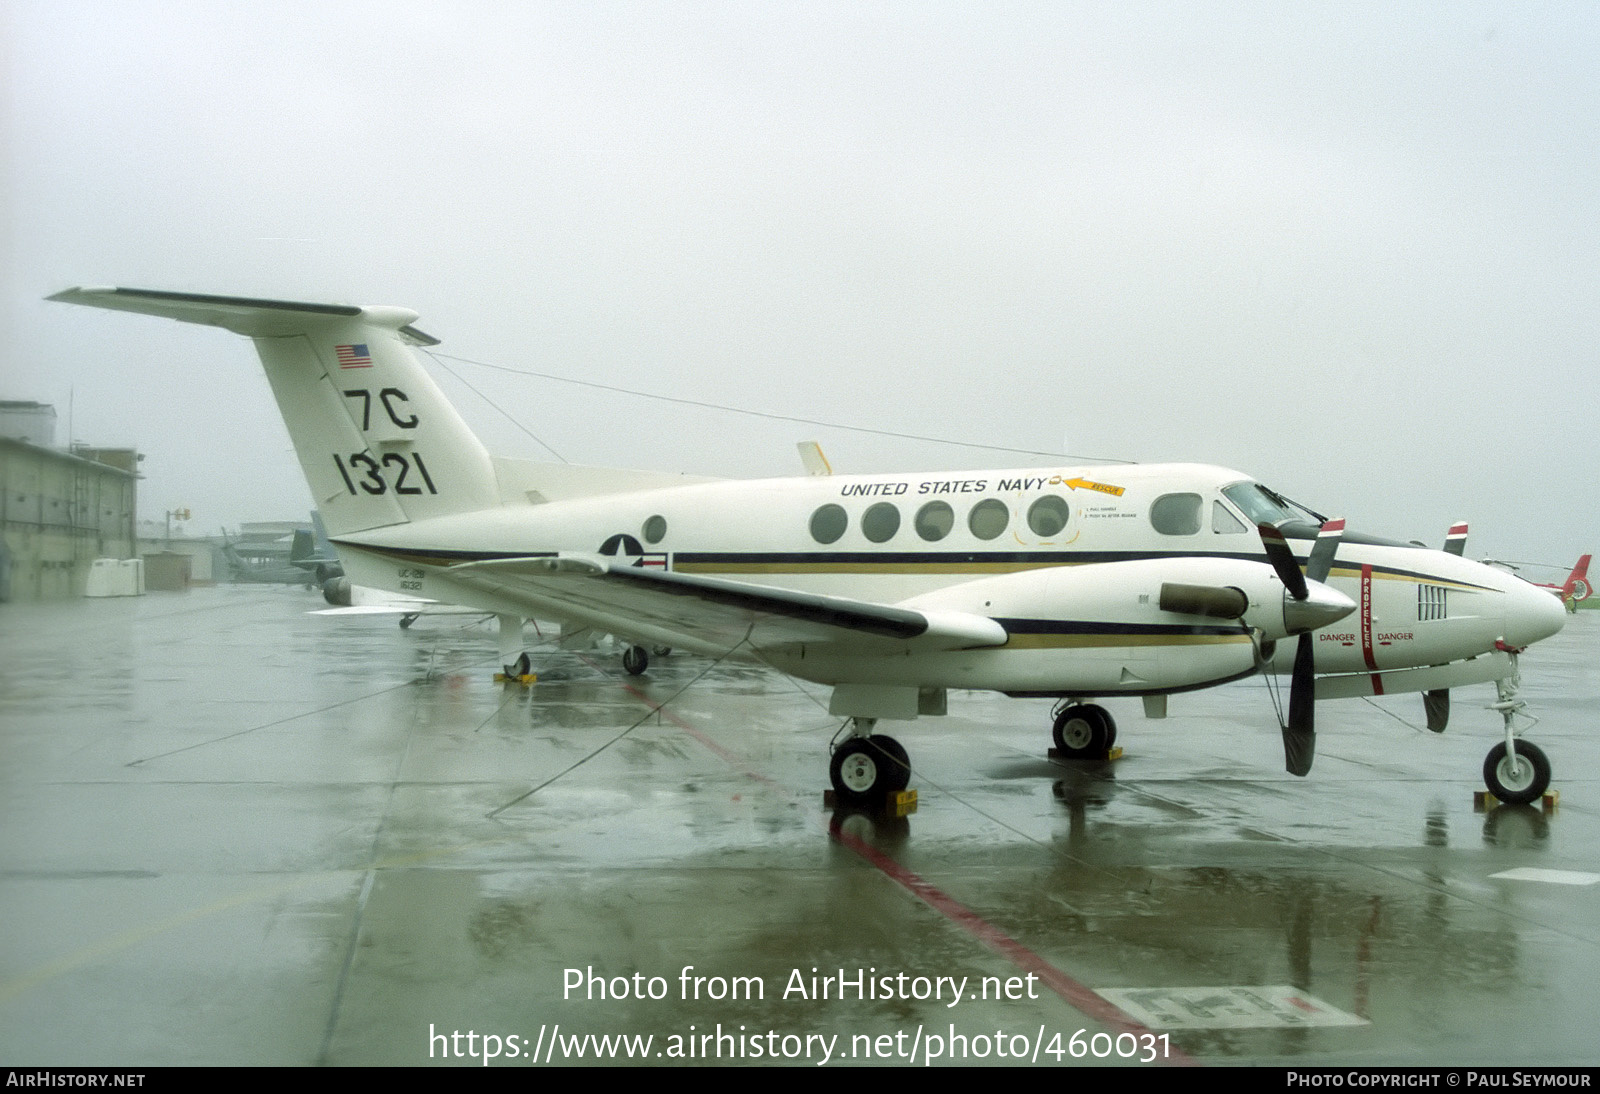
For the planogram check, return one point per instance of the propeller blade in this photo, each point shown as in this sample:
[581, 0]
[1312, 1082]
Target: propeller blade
[1437, 705]
[1283, 561]
[1321, 560]
[1299, 734]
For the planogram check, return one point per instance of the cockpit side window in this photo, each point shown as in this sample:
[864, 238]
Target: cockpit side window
[1176, 514]
[1264, 506]
[1223, 521]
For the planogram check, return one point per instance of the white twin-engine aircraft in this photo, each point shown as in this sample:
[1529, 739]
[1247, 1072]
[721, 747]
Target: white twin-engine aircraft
[1070, 583]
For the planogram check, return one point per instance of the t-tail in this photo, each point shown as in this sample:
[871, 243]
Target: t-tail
[377, 440]
[303, 548]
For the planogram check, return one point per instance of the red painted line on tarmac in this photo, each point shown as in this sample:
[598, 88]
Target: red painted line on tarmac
[732, 759]
[1077, 995]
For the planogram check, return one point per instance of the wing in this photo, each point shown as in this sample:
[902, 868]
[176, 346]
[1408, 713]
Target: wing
[416, 607]
[713, 615]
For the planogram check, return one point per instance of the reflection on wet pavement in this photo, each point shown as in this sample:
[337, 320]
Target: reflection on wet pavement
[235, 833]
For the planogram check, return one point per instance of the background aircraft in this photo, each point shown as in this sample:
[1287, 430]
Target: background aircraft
[313, 553]
[1576, 589]
[1574, 593]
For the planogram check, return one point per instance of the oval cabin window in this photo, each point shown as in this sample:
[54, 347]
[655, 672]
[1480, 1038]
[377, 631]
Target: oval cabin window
[828, 523]
[880, 522]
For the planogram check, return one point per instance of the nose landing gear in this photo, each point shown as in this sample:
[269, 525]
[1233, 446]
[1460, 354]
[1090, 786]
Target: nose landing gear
[1518, 777]
[1516, 772]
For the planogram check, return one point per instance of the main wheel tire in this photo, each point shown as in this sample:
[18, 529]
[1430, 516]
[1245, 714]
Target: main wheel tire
[897, 761]
[1529, 780]
[861, 773]
[1111, 727]
[1083, 732]
[635, 659]
[520, 667]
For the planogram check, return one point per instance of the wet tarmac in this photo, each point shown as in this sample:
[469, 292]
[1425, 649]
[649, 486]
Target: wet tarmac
[235, 833]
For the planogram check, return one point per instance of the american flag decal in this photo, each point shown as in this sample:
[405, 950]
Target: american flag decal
[355, 356]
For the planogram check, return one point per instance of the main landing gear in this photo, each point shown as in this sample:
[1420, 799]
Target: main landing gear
[868, 766]
[515, 662]
[635, 659]
[1083, 731]
[513, 658]
[1515, 771]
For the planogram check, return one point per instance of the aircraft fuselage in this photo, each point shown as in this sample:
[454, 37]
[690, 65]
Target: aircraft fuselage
[1051, 553]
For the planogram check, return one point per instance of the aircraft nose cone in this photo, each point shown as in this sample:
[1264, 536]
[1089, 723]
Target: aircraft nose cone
[1531, 614]
[1322, 606]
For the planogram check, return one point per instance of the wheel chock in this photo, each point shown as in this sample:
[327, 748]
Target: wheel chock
[1483, 801]
[900, 804]
[525, 680]
[1061, 757]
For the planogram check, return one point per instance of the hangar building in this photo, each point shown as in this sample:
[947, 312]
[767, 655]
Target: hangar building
[59, 510]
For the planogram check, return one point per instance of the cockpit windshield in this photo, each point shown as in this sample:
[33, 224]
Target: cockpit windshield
[1265, 506]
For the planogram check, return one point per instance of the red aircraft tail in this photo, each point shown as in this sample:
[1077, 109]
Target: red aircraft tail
[1577, 585]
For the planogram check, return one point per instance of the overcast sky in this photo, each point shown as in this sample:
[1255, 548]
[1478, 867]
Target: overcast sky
[1352, 250]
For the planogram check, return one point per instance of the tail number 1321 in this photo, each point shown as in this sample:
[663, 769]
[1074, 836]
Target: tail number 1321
[364, 472]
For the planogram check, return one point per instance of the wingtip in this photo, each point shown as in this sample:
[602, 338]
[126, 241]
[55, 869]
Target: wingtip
[70, 296]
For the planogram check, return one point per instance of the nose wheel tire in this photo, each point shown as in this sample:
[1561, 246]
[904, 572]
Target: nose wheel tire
[1519, 784]
[865, 770]
[1084, 732]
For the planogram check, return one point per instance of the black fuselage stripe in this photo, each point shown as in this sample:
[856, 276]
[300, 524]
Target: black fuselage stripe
[1039, 559]
[1070, 626]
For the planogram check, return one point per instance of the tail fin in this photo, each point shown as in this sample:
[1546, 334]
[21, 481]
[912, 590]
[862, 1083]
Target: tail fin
[1577, 585]
[377, 440]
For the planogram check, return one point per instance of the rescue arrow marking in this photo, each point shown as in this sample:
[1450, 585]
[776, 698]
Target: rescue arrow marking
[1085, 484]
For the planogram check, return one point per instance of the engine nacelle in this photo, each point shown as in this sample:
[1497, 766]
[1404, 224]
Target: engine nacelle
[1152, 592]
[336, 591]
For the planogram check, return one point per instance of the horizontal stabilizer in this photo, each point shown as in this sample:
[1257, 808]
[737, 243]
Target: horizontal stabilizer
[245, 315]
